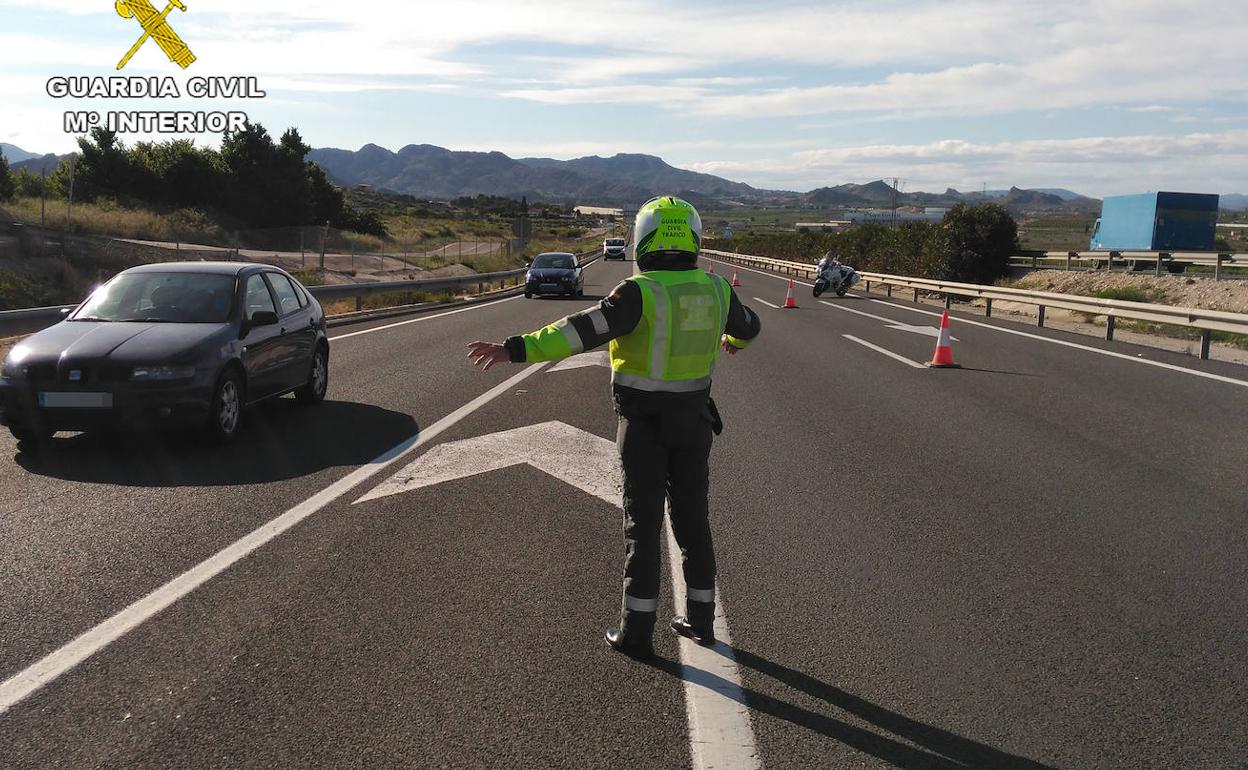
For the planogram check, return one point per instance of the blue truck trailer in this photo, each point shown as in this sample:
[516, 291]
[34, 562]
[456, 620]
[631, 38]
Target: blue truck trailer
[1161, 221]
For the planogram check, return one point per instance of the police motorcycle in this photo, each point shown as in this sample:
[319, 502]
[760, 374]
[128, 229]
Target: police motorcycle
[834, 276]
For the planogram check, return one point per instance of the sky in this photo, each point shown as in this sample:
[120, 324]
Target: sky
[1098, 96]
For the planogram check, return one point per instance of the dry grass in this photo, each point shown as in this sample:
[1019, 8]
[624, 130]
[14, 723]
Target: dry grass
[106, 217]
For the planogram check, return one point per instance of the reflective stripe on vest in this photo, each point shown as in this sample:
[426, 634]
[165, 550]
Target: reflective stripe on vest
[675, 345]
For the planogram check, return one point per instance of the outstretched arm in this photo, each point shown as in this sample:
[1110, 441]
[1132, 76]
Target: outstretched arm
[615, 316]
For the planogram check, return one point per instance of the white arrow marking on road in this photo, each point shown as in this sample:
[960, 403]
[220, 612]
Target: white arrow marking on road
[574, 456]
[719, 722]
[592, 358]
[926, 331]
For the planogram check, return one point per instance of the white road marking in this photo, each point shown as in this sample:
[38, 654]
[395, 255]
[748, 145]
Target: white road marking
[51, 666]
[720, 736]
[762, 272]
[926, 331]
[572, 455]
[581, 360]
[765, 302]
[888, 353]
[1075, 345]
[477, 306]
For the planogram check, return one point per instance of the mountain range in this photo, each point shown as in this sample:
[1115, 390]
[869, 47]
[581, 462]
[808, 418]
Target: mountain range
[15, 154]
[32, 162]
[435, 172]
[428, 171]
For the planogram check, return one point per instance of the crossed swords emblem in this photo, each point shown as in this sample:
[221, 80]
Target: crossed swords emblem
[155, 26]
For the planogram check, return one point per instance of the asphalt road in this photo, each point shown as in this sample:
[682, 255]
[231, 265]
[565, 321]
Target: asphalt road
[1033, 561]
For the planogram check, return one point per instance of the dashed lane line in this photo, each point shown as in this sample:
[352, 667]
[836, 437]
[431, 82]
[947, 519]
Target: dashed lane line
[1064, 343]
[886, 352]
[1077, 346]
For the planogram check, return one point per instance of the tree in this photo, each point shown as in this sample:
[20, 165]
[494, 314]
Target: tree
[27, 185]
[7, 185]
[973, 244]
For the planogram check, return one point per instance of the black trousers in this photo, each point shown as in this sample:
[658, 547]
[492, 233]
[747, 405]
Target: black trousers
[665, 455]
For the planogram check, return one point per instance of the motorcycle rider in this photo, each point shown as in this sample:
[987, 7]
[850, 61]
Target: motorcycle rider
[828, 262]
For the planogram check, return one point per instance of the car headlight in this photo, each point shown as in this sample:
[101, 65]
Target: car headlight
[13, 362]
[154, 373]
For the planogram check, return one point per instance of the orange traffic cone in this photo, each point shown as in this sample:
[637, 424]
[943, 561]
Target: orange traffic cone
[789, 302]
[943, 357]
[735, 282]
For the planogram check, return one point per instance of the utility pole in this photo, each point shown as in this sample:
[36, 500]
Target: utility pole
[324, 237]
[69, 211]
[43, 196]
[896, 182]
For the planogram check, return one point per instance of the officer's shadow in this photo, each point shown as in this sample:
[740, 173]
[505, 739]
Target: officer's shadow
[939, 748]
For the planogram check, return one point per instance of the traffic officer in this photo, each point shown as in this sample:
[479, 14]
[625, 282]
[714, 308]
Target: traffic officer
[666, 325]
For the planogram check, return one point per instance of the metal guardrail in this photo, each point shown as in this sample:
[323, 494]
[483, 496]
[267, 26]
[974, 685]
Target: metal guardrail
[359, 291]
[31, 320]
[1159, 259]
[1207, 321]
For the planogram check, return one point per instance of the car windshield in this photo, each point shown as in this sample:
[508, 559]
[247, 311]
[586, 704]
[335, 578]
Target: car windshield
[161, 298]
[563, 261]
[615, 242]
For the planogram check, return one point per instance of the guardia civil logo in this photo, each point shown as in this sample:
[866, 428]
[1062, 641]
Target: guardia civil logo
[155, 25]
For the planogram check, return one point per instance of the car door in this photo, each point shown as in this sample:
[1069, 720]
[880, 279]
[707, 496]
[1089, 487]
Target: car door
[298, 332]
[262, 345]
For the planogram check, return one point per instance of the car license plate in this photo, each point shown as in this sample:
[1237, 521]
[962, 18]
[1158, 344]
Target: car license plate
[550, 286]
[76, 400]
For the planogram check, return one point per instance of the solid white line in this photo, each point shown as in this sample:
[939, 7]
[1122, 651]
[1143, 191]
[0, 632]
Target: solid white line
[760, 272]
[45, 670]
[477, 306]
[720, 735]
[888, 353]
[765, 302]
[1077, 346]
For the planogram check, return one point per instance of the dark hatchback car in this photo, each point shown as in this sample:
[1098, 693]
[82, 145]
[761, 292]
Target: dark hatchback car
[187, 344]
[554, 272]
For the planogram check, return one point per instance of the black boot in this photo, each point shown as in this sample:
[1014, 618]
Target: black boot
[699, 625]
[634, 637]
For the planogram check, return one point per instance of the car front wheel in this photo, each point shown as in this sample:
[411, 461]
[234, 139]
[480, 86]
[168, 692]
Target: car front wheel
[225, 414]
[313, 392]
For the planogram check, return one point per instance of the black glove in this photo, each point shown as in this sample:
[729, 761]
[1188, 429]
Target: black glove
[717, 424]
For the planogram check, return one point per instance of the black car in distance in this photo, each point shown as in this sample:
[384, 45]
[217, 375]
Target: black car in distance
[186, 343]
[555, 272]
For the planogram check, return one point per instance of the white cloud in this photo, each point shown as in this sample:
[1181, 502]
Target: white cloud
[1093, 165]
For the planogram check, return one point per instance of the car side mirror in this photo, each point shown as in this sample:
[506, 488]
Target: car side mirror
[263, 318]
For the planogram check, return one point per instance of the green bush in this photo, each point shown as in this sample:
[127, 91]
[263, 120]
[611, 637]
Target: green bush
[972, 244]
